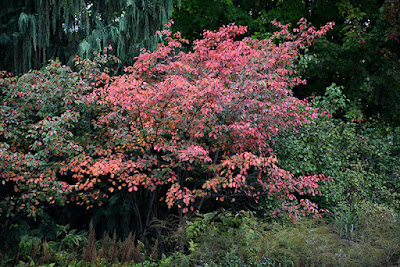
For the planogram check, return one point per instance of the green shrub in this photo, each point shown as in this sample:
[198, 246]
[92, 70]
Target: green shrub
[362, 159]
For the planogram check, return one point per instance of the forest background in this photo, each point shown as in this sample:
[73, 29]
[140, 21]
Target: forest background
[212, 151]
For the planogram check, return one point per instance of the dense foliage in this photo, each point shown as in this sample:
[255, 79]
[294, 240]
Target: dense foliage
[32, 32]
[361, 53]
[199, 122]
[363, 160]
[188, 125]
[201, 152]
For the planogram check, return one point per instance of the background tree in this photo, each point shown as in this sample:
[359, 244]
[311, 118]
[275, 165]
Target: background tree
[32, 32]
[361, 53]
[193, 16]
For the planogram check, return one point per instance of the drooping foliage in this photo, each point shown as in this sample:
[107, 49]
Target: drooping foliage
[32, 32]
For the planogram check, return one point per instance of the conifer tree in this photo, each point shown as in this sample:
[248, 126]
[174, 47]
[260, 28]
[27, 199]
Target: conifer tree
[33, 31]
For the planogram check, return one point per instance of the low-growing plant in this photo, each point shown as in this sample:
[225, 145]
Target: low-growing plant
[227, 239]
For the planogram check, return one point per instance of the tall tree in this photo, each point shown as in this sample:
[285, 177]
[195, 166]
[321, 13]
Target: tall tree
[34, 31]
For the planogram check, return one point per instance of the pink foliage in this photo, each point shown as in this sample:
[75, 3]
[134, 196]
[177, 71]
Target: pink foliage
[213, 109]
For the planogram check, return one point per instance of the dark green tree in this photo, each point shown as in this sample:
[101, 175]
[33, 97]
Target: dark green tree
[34, 31]
[194, 16]
[362, 53]
[363, 56]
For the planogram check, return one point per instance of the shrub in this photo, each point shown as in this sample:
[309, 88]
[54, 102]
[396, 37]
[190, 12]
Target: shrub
[362, 159]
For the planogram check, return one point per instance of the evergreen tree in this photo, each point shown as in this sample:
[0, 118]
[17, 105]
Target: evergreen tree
[33, 31]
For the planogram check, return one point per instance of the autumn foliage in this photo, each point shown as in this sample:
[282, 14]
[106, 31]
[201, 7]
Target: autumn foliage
[188, 126]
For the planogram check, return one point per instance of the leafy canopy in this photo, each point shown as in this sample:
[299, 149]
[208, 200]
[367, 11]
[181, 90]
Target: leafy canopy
[200, 121]
[187, 126]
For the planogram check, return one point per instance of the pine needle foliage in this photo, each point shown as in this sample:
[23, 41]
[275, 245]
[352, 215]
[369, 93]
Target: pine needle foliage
[34, 31]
